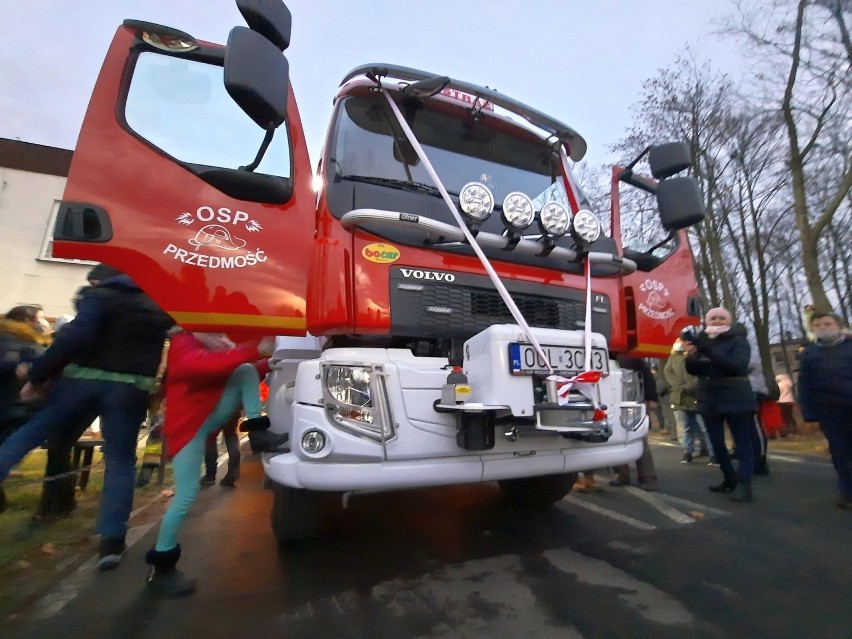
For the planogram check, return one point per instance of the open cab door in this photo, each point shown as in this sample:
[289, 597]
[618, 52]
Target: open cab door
[185, 179]
[661, 296]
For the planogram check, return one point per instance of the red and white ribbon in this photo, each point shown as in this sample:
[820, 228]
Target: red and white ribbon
[584, 383]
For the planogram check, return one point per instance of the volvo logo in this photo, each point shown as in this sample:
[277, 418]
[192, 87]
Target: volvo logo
[417, 274]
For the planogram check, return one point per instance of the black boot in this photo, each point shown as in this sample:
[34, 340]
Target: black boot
[229, 480]
[727, 486]
[164, 577]
[262, 441]
[742, 493]
[254, 424]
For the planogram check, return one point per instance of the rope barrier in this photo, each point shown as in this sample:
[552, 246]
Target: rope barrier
[47, 478]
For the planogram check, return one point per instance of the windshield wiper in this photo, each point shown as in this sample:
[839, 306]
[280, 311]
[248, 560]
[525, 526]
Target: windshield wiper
[393, 183]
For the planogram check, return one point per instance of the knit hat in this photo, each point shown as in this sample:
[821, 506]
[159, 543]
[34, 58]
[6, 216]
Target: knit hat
[102, 272]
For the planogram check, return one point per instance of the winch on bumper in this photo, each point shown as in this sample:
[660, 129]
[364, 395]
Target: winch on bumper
[368, 418]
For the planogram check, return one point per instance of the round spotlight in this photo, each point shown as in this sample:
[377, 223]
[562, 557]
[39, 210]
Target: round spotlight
[587, 227]
[554, 219]
[518, 211]
[476, 201]
[313, 442]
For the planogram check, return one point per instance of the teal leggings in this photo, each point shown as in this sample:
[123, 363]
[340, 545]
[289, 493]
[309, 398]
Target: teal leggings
[240, 389]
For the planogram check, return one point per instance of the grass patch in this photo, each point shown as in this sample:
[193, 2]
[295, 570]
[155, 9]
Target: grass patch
[35, 556]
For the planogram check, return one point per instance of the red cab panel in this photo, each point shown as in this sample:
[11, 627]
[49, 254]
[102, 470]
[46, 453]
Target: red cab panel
[659, 302]
[213, 261]
[662, 301]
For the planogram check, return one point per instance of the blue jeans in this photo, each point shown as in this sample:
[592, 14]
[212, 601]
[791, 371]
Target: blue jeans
[121, 407]
[838, 431]
[690, 426]
[241, 389]
[742, 426]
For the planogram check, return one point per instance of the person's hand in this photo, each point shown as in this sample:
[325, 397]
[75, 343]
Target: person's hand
[30, 392]
[266, 347]
[22, 370]
[652, 405]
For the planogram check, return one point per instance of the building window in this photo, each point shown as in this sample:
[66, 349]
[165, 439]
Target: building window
[46, 253]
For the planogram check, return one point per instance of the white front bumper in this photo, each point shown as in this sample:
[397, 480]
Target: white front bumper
[287, 469]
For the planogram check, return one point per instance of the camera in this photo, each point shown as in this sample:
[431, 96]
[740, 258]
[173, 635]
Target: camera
[689, 334]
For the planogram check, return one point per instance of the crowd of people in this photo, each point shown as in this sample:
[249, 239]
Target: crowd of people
[108, 362]
[121, 349]
[715, 386]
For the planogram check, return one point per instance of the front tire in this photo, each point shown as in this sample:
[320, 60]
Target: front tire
[296, 512]
[537, 493]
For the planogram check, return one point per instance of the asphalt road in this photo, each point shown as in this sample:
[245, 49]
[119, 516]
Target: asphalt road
[459, 562]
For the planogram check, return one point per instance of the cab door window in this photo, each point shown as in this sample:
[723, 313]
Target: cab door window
[181, 107]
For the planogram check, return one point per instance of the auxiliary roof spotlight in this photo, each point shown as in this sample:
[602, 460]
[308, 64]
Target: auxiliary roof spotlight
[586, 227]
[476, 201]
[518, 211]
[554, 219]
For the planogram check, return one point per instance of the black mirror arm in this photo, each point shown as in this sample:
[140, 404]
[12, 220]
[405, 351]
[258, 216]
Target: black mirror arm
[628, 177]
[267, 139]
[665, 240]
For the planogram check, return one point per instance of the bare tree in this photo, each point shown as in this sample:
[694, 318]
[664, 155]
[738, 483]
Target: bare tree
[815, 51]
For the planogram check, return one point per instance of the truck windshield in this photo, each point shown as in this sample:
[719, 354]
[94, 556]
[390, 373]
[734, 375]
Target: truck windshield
[370, 156]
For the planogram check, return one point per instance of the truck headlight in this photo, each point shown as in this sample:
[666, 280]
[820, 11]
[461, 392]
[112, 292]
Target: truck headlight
[632, 388]
[632, 399]
[356, 400]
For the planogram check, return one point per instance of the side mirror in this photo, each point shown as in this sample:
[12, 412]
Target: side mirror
[257, 77]
[666, 160]
[270, 18]
[680, 202]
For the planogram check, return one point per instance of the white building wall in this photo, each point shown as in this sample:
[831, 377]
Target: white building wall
[28, 204]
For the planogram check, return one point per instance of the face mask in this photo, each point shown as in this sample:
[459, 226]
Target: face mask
[826, 334]
[43, 326]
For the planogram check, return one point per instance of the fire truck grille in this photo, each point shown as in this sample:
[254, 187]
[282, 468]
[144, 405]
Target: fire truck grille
[460, 310]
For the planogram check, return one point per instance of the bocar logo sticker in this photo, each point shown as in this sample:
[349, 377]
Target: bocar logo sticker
[380, 253]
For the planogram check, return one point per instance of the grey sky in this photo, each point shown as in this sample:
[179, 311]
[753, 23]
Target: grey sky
[582, 61]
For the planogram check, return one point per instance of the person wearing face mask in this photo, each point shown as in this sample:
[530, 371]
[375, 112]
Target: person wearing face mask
[825, 393]
[719, 356]
[103, 364]
[23, 338]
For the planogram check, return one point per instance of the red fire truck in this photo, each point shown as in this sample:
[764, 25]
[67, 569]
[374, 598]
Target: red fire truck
[470, 301]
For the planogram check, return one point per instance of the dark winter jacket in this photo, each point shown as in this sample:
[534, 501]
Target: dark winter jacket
[19, 343]
[825, 380]
[721, 365]
[118, 329]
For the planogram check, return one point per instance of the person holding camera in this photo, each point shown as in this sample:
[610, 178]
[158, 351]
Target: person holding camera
[719, 356]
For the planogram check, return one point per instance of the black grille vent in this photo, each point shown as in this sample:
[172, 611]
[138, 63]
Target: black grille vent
[459, 310]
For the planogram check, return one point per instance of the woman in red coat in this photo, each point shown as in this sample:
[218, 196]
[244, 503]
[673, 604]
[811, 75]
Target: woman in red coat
[208, 378]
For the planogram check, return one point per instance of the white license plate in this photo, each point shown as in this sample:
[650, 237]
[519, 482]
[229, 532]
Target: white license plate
[523, 360]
